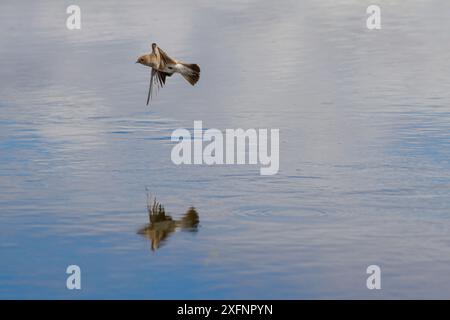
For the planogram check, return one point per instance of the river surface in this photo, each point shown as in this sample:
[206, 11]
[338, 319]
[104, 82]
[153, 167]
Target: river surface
[364, 178]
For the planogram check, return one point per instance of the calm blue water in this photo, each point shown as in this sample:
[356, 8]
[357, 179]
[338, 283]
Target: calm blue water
[364, 119]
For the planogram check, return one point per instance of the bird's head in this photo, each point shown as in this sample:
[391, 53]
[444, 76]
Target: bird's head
[146, 60]
[141, 60]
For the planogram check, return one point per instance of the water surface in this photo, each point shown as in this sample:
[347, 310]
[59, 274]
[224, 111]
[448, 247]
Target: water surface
[364, 119]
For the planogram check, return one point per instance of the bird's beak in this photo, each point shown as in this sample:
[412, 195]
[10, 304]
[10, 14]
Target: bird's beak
[137, 61]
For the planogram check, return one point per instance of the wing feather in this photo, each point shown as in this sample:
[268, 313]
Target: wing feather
[150, 89]
[157, 80]
[164, 58]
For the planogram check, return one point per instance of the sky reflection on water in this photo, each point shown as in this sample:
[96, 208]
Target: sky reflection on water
[364, 176]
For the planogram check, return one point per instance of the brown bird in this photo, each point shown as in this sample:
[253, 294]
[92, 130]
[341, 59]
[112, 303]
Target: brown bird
[162, 225]
[164, 66]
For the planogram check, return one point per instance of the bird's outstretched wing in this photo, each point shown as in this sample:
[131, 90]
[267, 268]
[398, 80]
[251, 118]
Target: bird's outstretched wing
[162, 57]
[157, 80]
[165, 58]
[150, 89]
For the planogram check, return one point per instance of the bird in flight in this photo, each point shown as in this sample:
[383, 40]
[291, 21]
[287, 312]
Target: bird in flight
[164, 66]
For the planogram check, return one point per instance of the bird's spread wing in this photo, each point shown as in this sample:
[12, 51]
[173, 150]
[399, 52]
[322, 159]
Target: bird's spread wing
[157, 79]
[150, 89]
[161, 78]
[165, 59]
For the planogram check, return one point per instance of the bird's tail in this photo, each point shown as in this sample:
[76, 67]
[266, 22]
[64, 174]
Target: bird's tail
[190, 71]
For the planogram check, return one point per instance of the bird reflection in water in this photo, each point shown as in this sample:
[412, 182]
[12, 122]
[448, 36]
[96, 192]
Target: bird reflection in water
[162, 225]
